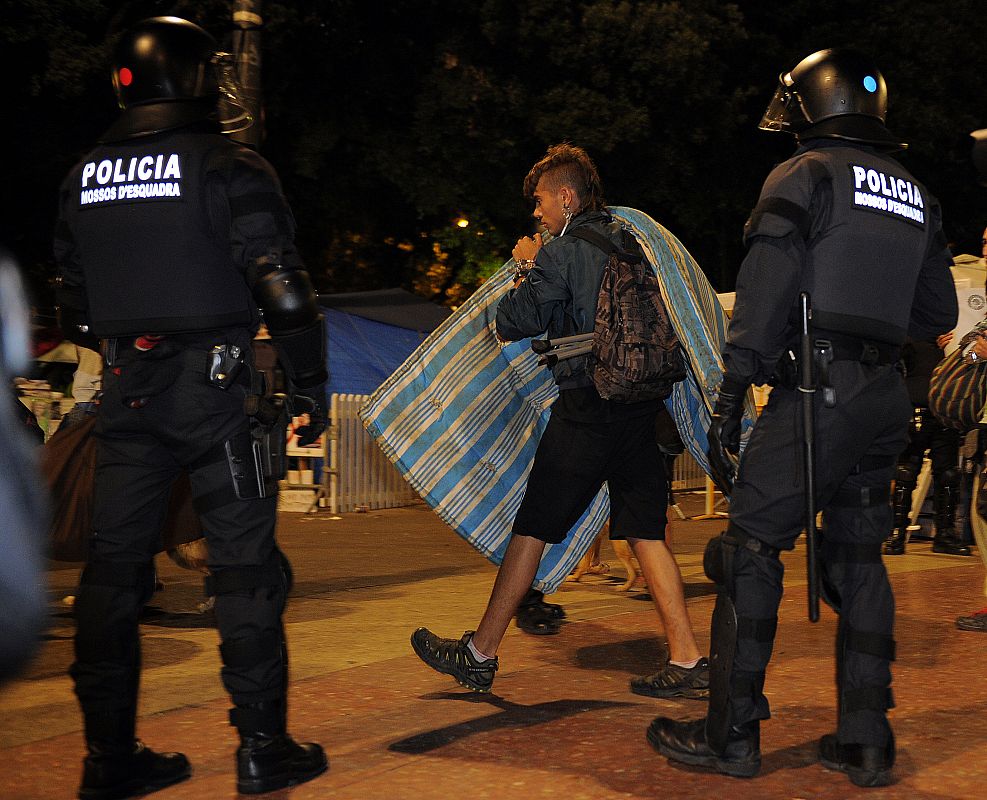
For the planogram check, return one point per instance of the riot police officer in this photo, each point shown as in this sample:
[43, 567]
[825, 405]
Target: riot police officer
[845, 222]
[170, 236]
[926, 433]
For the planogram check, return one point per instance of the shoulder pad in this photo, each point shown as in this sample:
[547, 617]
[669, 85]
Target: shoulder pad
[783, 207]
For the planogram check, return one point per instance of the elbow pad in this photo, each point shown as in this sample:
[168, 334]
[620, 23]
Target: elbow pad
[286, 297]
[291, 313]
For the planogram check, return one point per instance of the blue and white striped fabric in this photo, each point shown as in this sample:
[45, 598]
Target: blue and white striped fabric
[462, 417]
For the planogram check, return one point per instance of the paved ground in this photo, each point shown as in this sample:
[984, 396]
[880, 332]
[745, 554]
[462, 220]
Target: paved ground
[561, 724]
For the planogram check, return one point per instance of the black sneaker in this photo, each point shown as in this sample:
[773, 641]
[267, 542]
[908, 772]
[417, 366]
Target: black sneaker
[537, 617]
[977, 621]
[675, 681]
[451, 657]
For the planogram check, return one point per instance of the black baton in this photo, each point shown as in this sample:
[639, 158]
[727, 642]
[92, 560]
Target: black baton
[807, 386]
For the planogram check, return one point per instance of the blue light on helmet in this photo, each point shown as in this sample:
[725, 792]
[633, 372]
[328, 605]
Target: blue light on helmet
[870, 84]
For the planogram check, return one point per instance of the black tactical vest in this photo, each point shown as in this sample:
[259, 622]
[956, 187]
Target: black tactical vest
[865, 250]
[139, 218]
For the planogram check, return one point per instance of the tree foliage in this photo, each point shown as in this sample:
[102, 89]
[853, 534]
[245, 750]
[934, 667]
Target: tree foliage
[389, 121]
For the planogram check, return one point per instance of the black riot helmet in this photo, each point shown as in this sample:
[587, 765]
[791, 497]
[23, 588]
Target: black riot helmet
[833, 94]
[167, 73]
[162, 59]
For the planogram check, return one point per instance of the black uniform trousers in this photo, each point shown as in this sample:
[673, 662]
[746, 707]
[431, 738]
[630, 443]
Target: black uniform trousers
[856, 441]
[140, 453]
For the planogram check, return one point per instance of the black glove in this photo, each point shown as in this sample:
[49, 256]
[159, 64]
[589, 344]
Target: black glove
[724, 431]
[314, 402]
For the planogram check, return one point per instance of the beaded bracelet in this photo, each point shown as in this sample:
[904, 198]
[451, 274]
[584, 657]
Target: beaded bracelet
[522, 267]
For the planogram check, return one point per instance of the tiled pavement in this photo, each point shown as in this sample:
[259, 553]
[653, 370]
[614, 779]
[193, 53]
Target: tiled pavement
[561, 723]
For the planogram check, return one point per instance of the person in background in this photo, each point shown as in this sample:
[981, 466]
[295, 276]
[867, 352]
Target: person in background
[926, 433]
[22, 568]
[977, 620]
[87, 382]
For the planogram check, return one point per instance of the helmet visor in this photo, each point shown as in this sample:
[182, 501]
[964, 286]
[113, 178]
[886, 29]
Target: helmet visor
[784, 112]
[776, 116]
[234, 114]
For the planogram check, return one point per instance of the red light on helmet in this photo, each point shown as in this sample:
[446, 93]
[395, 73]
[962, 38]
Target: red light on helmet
[126, 77]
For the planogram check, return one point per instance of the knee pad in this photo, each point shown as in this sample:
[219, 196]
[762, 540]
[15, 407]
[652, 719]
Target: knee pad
[720, 550]
[275, 574]
[717, 558]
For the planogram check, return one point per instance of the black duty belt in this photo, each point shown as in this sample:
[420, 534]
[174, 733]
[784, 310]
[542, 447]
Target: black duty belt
[850, 348]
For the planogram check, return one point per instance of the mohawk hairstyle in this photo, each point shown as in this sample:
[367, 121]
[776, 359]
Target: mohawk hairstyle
[568, 165]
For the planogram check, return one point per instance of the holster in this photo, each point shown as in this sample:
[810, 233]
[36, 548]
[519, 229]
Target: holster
[269, 433]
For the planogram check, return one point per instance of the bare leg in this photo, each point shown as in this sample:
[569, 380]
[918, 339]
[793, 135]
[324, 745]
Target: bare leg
[665, 585]
[513, 581]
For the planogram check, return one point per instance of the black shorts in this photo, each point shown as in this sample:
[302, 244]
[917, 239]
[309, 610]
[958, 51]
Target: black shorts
[573, 461]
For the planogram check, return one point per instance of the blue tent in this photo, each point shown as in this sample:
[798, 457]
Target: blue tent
[372, 333]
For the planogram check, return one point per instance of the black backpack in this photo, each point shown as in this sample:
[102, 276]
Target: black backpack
[636, 355]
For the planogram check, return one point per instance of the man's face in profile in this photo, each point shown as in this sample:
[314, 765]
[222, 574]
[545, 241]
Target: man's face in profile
[549, 207]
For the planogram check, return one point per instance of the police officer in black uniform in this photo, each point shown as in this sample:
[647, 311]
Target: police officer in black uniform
[845, 222]
[926, 433]
[170, 236]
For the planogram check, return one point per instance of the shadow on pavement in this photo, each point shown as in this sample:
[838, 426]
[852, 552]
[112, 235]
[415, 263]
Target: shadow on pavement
[511, 715]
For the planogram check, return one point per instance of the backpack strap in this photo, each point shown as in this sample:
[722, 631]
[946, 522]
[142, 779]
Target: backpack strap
[602, 242]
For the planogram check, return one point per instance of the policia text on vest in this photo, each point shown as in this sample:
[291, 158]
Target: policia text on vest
[154, 176]
[878, 191]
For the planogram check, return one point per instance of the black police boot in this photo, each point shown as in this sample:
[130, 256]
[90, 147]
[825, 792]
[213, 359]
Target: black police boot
[894, 545]
[866, 765]
[946, 540]
[686, 742]
[268, 758]
[115, 772]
